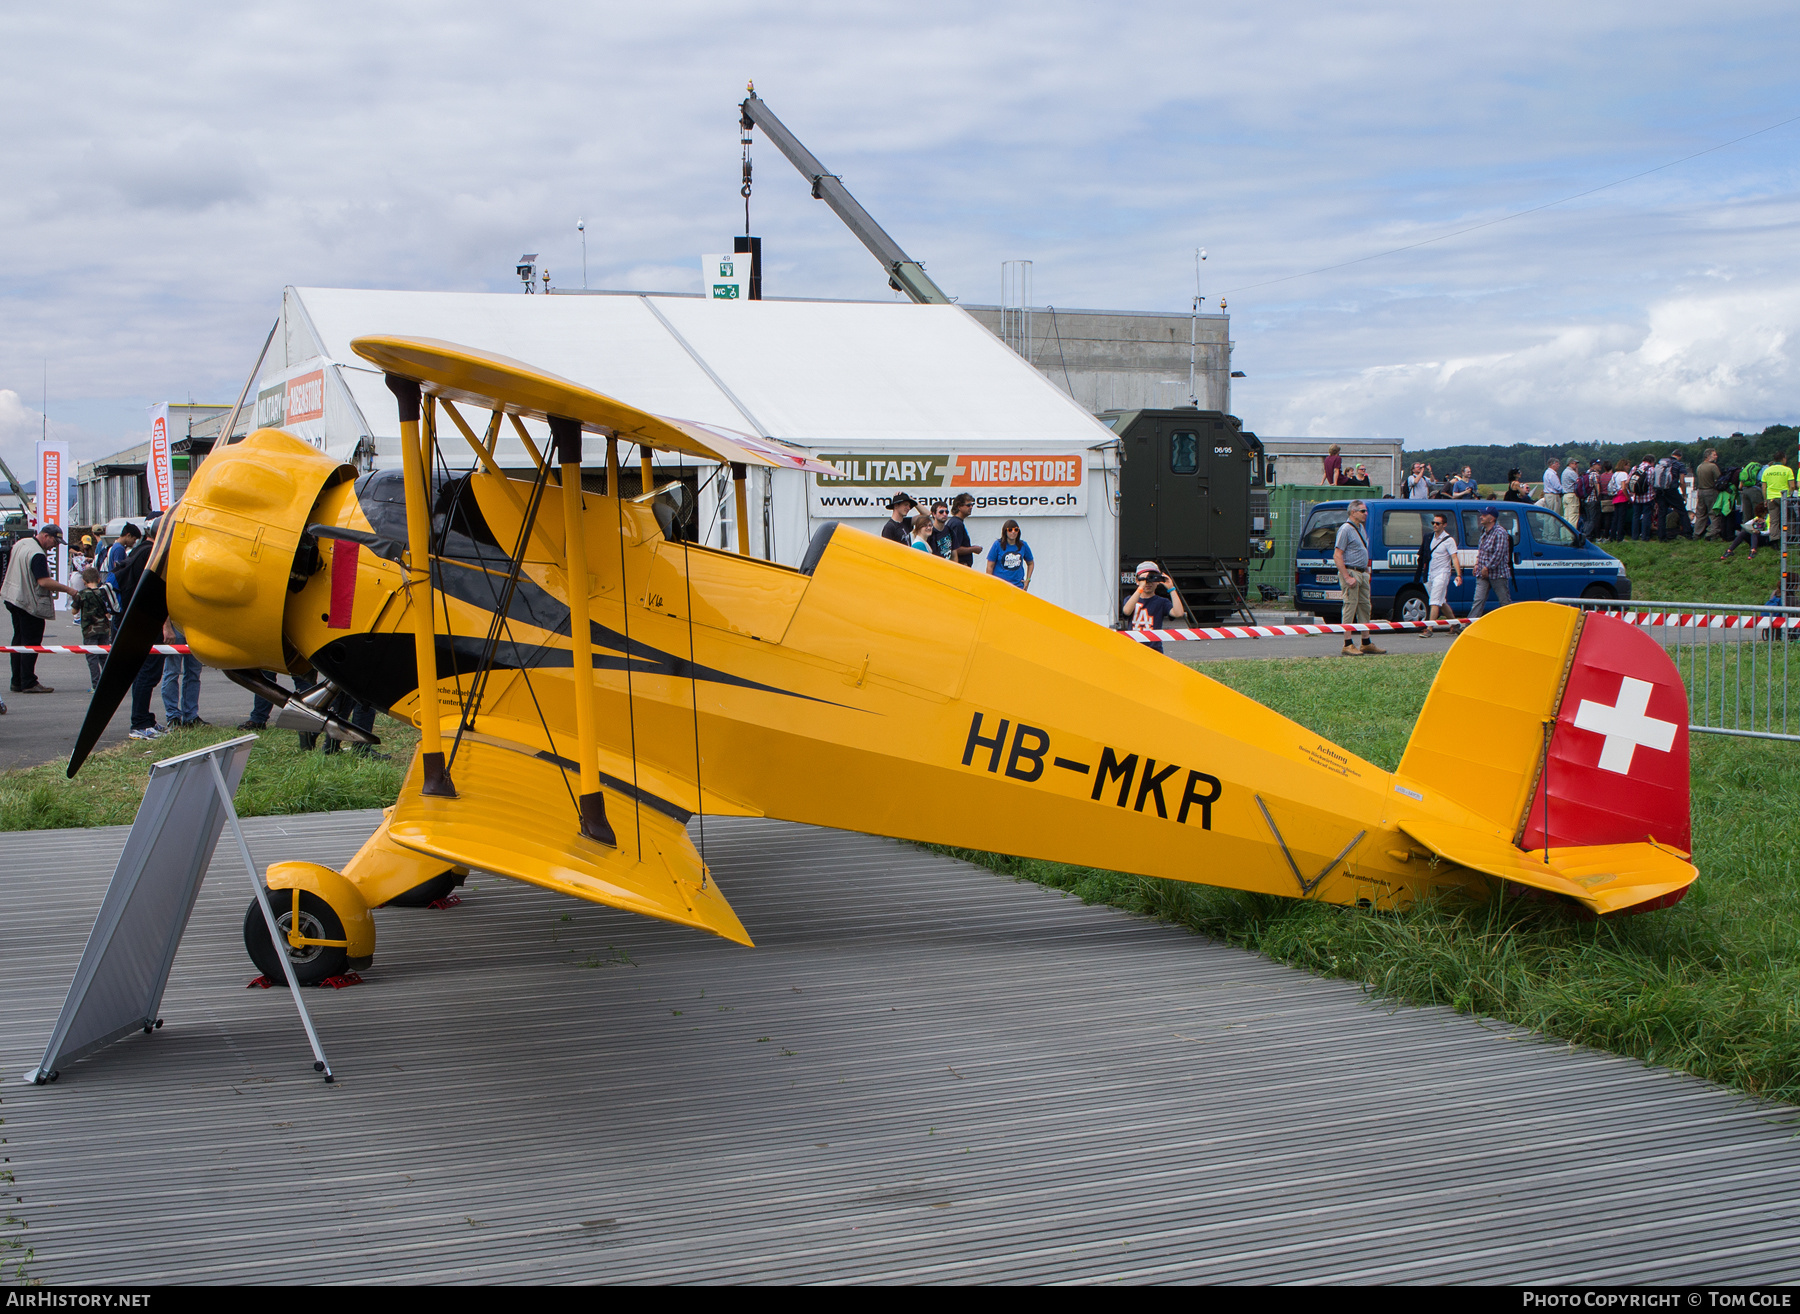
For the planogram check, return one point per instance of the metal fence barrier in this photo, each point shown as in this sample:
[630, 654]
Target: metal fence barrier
[1733, 659]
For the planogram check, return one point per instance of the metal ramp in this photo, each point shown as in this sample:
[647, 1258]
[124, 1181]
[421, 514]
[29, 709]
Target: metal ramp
[926, 1073]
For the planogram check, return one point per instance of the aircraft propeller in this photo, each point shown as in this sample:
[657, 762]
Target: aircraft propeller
[140, 629]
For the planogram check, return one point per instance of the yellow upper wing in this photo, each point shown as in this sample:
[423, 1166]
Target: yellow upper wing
[485, 378]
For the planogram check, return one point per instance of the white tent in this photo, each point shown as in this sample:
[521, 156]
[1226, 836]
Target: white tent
[900, 396]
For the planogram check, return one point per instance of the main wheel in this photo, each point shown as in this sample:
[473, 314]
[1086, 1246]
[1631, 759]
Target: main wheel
[1599, 591]
[313, 962]
[1411, 604]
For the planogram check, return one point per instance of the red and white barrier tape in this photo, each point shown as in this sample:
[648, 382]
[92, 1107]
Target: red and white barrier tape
[1295, 631]
[1704, 620]
[97, 649]
[1683, 620]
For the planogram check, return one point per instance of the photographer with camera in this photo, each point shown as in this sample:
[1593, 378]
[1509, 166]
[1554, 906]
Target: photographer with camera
[1154, 602]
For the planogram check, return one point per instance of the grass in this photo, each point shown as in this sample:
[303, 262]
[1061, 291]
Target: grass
[1710, 986]
[1680, 570]
[278, 779]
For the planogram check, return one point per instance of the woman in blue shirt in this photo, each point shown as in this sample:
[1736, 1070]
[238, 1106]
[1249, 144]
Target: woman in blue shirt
[1010, 557]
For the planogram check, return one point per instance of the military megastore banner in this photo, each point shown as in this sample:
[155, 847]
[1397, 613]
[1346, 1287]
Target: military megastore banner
[1002, 485]
[295, 401]
[159, 470]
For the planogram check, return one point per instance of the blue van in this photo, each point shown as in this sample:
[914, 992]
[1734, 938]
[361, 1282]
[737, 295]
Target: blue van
[1550, 559]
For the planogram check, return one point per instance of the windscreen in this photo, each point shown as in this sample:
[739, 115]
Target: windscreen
[1321, 529]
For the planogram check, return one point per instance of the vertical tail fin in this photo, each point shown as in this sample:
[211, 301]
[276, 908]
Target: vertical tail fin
[1564, 733]
[1479, 740]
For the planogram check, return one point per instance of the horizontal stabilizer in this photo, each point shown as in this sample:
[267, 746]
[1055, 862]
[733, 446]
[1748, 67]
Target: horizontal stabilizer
[514, 815]
[1606, 878]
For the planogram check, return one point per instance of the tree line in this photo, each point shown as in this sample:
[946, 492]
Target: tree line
[1492, 463]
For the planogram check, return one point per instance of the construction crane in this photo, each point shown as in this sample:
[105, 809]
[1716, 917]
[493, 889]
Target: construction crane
[19, 492]
[904, 273]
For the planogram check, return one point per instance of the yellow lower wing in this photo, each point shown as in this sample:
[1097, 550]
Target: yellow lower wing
[513, 816]
[1604, 877]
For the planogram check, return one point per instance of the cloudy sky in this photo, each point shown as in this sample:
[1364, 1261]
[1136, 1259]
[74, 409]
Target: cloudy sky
[166, 170]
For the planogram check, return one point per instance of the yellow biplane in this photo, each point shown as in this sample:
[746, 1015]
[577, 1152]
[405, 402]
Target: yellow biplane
[586, 679]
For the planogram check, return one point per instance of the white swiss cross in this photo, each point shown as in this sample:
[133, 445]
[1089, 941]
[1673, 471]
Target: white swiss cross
[1625, 725]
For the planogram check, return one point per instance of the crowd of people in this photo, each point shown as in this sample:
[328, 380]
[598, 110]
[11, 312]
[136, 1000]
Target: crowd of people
[1654, 497]
[943, 532]
[101, 576]
[1641, 498]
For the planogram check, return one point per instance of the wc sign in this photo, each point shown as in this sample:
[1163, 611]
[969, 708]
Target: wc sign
[725, 277]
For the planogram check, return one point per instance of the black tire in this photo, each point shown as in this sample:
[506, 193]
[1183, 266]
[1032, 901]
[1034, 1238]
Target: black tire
[1411, 604]
[1599, 591]
[312, 963]
[438, 887]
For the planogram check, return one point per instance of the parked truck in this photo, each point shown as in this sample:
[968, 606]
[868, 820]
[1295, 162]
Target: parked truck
[1193, 497]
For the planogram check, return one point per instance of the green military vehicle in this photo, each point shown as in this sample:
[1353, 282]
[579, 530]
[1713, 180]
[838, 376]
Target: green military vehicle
[1193, 497]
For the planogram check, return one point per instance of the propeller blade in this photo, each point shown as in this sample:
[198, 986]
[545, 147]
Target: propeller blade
[140, 629]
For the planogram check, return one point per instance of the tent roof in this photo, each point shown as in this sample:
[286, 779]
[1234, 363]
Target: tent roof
[821, 374]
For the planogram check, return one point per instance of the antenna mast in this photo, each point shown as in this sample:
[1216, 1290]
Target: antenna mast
[1194, 327]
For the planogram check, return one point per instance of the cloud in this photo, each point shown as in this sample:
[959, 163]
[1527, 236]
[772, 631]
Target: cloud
[1699, 365]
[22, 426]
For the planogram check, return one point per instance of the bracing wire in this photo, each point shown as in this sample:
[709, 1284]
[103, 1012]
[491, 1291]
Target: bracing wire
[705, 535]
[469, 705]
[503, 618]
[478, 683]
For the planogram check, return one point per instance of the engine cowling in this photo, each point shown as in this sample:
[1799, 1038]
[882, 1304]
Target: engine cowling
[232, 546]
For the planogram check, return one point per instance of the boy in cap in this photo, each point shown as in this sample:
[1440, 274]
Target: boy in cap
[1153, 602]
[95, 619]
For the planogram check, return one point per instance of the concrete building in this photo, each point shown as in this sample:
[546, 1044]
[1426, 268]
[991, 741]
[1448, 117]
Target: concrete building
[1104, 359]
[1120, 359]
[114, 485]
[1302, 461]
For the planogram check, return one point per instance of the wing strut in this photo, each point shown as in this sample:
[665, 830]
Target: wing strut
[565, 437]
[416, 466]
